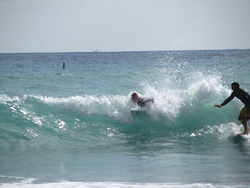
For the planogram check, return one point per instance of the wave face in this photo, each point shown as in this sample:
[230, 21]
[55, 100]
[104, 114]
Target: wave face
[95, 119]
[60, 119]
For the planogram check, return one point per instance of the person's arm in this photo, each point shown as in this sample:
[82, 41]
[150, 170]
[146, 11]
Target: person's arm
[226, 101]
[141, 102]
[149, 100]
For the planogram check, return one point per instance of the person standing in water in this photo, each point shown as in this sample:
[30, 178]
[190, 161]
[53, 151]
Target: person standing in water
[244, 97]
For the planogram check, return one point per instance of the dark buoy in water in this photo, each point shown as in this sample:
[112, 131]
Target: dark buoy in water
[63, 65]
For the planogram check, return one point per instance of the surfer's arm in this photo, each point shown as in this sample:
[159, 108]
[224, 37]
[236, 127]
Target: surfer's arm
[228, 99]
[143, 102]
[150, 100]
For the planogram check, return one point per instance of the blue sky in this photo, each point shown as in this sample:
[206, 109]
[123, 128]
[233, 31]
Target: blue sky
[123, 25]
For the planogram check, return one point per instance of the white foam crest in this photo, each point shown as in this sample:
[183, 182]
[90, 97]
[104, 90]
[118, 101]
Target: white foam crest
[4, 99]
[167, 102]
[223, 130]
[115, 106]
[64, 184]
[205, 87]
[16, 105]
[89, 104]
[228, 130]
[171, 101]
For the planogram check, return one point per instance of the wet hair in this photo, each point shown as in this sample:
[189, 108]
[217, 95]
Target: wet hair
[236, 84]
[134, 95]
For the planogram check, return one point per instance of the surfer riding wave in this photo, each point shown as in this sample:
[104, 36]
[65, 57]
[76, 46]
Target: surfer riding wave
[141, 101]
[244, 97]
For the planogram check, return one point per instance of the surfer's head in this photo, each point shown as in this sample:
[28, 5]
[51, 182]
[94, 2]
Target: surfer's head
[235, 85]
[135, 97]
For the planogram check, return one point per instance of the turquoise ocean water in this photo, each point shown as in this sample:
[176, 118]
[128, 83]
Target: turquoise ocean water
[73, 127]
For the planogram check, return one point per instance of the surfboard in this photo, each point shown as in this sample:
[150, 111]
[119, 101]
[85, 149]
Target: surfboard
[138, 111]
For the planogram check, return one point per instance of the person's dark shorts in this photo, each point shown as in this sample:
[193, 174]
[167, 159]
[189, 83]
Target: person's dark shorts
[244, 113]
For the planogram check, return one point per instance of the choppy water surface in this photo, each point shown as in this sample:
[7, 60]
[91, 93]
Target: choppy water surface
[74, 125]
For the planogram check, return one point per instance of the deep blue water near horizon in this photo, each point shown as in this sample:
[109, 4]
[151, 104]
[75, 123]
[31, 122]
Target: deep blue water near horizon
[73, 126]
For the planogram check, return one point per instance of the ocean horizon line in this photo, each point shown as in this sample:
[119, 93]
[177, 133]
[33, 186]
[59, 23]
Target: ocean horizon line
[124, 51]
